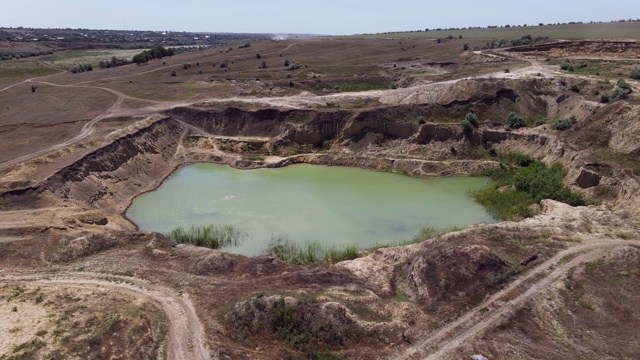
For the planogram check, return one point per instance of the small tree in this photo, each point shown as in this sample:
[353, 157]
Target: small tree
[621, 90]
[472, 119]
[263, 65]
[258, 56]
[466, 126]
[287, 62]
[174, 73]
[465, 47]
[33, 88]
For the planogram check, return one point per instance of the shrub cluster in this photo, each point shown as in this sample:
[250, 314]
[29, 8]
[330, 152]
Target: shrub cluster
[515, 121]
[524, 40]
[301, 324]
[81, 68]
[114, 62]
[472, 119]
[527, 182]
[564, 124]
[9, 55]
[565, 65]
[621, 90]
[635, 74]
[156, 52]
[470, 122]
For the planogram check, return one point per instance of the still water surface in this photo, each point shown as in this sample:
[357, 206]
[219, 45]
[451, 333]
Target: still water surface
[334, 206]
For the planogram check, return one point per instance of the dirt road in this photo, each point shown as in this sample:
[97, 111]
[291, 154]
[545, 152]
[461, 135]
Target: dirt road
[85, 131]
[186, 336]
[448, 338]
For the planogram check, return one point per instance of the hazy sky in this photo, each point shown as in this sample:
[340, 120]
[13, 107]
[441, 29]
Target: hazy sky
[334, 17]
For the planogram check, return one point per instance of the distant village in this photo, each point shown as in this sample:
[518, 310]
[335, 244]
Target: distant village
[127, 39]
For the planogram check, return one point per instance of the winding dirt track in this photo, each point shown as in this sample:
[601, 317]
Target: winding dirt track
[186, 338]
[500, 305]
[86, 130]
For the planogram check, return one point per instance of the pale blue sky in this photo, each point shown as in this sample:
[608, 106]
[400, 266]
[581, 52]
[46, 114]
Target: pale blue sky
[299, 16]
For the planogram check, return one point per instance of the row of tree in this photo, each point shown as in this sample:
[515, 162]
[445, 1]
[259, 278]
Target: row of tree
[156, 52]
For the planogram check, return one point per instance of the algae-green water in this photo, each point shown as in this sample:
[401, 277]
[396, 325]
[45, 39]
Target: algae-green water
[333, 206]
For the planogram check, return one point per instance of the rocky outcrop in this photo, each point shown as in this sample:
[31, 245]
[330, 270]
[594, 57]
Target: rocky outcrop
[588, 178]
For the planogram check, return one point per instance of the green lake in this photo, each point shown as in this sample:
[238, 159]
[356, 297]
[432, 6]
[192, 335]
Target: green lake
[333, 206]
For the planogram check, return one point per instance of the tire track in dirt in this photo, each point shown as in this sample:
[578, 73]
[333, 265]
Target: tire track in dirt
[186, 335]
[86, 130]
[452, 335]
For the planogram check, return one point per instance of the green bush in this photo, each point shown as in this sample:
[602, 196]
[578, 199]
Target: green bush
[174, 73]
[422, 120]
[635, 74]
[514, 189]
[564, 124]
[515, 121]
[575, 88]
[472, 119]
[467, 127]
[566, 66]
[294, 66]
[621, 90]
[604, 98]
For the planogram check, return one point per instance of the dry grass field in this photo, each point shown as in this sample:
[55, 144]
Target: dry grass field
[630, 29]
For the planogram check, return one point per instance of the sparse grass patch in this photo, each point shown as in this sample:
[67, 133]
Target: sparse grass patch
[210, 236]
[402, 296]
[126, 273]
[564, 124]
[432, 232]
[300, 254]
